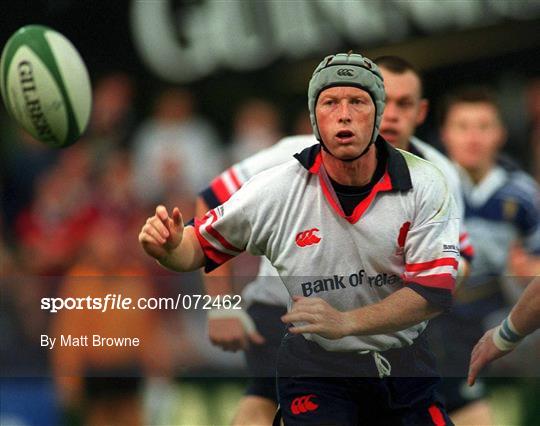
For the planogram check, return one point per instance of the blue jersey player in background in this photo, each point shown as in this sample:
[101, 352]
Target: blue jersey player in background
[502, 209]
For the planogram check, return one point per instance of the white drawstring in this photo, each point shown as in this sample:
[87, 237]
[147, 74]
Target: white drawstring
[383, 365]
[384, 368]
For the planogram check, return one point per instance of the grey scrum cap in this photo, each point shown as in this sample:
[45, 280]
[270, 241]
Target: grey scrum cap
[344, 69]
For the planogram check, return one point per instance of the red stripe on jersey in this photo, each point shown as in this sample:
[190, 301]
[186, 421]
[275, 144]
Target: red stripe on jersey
[424, 266]
[436, 415]
[220, 190]
[385, 184]
[234, 178]
[316, 164]
[466, 248]
[218, 236]
[467, 251]
[208, 249]
[446, 281]
[403, 231]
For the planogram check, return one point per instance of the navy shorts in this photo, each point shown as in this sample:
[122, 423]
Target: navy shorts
[261, 359]
[318, 387]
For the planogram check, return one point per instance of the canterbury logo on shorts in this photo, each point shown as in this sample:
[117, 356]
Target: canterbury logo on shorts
[307, 238]
[303, 404]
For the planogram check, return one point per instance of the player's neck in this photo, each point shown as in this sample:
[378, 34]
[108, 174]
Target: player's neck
[478, 174]
[354, 173]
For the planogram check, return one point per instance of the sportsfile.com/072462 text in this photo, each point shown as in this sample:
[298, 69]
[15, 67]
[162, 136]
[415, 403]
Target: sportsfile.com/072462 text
[119, 302]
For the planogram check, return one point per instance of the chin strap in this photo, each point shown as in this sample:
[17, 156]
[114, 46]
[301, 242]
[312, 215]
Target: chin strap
[348, 160]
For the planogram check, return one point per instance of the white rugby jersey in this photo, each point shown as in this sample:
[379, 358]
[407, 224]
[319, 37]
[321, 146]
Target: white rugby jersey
[404, 232]
[264, 289]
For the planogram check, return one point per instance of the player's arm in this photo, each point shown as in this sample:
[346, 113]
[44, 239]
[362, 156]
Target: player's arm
[173, 246]
[402, 309]
[497, 342]
[231, 330]
[525, 315]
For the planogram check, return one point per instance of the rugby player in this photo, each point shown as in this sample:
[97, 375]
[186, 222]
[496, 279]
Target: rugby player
[501, 208]
[260, 331]
[364, 237]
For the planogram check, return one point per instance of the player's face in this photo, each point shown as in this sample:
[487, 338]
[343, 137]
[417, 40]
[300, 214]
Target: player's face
[405, 109]
[473, 134]
[345, 117]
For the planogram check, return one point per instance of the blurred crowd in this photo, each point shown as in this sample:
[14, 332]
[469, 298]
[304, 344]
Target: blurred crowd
[69, 225]
[70, 218]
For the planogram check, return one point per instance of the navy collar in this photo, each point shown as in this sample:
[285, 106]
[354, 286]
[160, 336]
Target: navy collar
[397, 168]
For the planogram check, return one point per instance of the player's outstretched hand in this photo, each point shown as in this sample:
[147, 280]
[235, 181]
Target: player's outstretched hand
[321, 318]
[483, 353]
[161, 234]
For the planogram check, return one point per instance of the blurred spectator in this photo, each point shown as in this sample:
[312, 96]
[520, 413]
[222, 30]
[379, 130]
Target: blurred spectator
[114, 193]
[256, 126]
[112, 118]
[175, 150]
[26, 159]
[533, 107]
[302, 123]
[7, 260]
[51, 229]
[107, 379]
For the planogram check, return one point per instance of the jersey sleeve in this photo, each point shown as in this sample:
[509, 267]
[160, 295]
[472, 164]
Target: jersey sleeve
[432, 244]
[226, 231]
[466, 248]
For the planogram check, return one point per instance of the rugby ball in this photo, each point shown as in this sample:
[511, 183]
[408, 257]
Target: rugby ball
[45, 85]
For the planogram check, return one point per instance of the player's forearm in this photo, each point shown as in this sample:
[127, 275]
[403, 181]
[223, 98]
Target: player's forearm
[188, 256]
[399, 311]
[525, 315]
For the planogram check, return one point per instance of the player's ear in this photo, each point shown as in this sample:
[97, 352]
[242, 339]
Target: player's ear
[423, 109]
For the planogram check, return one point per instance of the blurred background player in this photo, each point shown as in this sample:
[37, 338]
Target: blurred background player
[501, 208]
[405, 110]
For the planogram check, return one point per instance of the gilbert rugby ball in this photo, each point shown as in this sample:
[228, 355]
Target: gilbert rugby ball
[45, 85]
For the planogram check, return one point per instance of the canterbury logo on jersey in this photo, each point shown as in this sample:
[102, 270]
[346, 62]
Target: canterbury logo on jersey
[345, 72]
[307, 238]
[303, 404]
